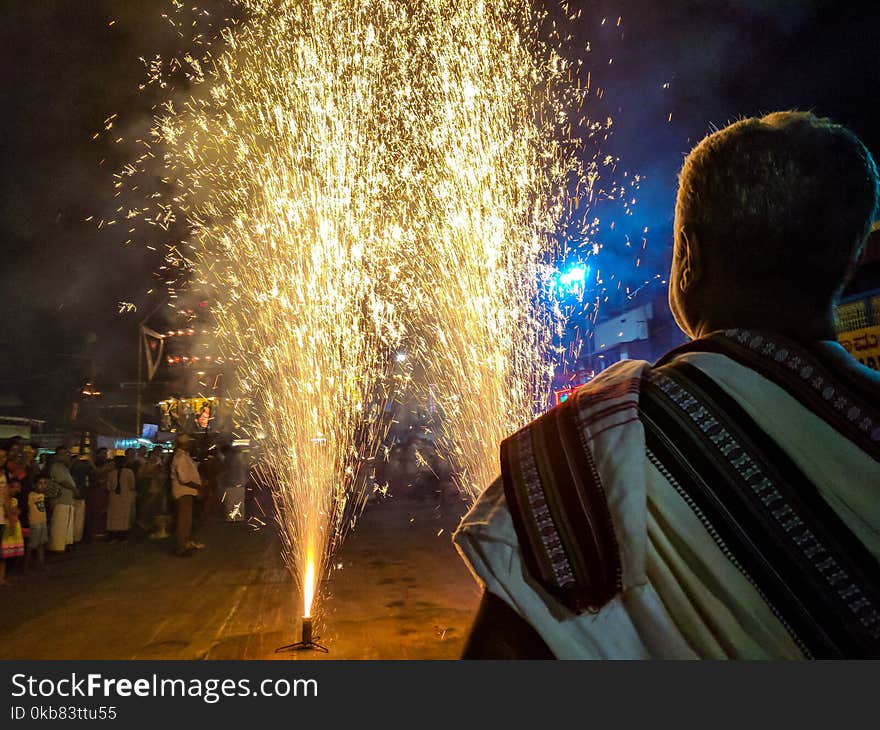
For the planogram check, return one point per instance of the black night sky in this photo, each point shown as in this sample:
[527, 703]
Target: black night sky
[65, 69]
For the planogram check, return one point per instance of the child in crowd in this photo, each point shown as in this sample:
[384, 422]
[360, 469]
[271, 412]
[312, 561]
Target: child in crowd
[39, 529]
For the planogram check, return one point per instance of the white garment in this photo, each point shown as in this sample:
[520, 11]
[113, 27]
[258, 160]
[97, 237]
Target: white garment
[183, 469]
[61, 529]
[681, 598]
[120, 501]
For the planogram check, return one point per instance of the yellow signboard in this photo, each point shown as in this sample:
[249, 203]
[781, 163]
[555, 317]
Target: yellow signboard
[864, 345]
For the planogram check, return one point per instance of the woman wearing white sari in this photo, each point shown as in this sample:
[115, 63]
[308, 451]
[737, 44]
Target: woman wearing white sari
[122, 492]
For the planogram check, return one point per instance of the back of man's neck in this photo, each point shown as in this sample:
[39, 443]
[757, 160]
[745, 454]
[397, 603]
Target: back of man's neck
[804, 328]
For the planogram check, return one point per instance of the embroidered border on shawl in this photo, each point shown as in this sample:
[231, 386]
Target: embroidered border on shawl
[540, 512]
[830, 570]
[557, 502]
[801, 374]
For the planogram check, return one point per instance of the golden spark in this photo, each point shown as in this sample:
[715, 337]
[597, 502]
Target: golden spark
[362, 178]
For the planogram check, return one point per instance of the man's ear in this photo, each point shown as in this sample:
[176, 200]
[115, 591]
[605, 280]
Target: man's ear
[691, 262]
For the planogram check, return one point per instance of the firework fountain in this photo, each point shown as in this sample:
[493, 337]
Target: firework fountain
[360, 176]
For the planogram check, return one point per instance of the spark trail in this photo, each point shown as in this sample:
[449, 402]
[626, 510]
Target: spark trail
[497, 156]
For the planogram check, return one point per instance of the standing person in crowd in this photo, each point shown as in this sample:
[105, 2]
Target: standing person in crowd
[122, 491]
[4, 511]
[29, 460]
[61, 503]
[150, 484]
[426, 480]
[83, 473]
[406, 465]
[139, 458]
[210, 470]
[185, 486]
[29, 464]
[232, 480]
[144, 476]
[38, 533]
[12, 544]
[161, 486]
[442, 467]
[394, 468]
[16, 466]
[97, 497]
[16, 471]
[132, 462]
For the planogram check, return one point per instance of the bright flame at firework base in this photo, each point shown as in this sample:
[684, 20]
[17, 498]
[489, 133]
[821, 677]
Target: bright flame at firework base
[308, 587]
[362, 176]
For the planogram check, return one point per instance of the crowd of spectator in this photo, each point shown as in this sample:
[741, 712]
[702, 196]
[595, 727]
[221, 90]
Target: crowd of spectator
[50, 503]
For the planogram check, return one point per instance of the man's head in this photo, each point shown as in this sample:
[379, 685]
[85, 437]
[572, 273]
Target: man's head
[42, 483]
[184, 442]
[62, 456]
[771, 216]
[101, 455]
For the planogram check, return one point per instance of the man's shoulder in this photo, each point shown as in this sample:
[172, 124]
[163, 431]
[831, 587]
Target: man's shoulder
[609, 401]
[59, 472]
[618, 372]
[619, 379]
[567, 477]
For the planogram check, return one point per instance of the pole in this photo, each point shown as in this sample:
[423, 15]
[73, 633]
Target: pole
[140, 379]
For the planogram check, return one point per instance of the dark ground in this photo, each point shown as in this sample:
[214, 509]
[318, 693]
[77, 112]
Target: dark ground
[402, 593]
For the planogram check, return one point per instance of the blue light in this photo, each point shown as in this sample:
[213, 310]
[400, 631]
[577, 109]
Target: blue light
[572, 281]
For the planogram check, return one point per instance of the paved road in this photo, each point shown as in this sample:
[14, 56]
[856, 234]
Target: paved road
[401, 593]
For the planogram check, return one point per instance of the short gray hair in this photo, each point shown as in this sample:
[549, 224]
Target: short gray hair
[786, 198]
